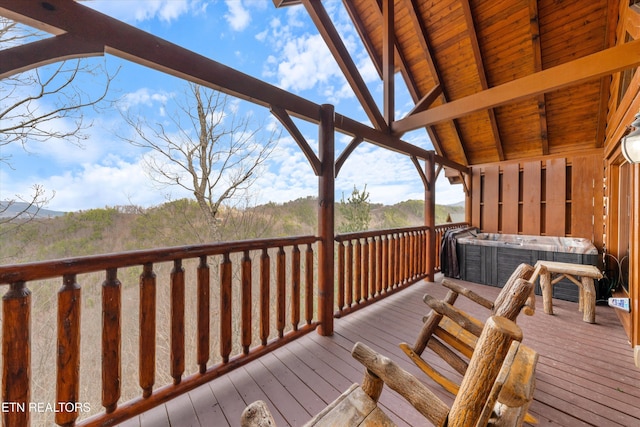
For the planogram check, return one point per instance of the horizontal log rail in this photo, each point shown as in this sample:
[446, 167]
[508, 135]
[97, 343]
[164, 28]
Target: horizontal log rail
[374, 264]
[440, 230]
[281, 296]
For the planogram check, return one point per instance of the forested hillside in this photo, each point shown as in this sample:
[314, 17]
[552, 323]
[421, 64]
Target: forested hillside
[180, 222]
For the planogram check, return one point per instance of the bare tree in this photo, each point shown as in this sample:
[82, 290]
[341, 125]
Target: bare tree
[205, 148]
[44, 104]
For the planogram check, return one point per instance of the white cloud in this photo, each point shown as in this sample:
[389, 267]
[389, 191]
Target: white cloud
[238, 17]
[305, 63]
[140, 11]
[144, 96]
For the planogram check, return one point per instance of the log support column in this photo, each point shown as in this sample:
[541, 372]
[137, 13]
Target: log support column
[430, 215]
[326, 225]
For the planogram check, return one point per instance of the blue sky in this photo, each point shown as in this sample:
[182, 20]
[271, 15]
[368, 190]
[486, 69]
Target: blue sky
[279, 46]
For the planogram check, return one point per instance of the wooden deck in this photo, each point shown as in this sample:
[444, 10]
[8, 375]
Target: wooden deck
[585, 375]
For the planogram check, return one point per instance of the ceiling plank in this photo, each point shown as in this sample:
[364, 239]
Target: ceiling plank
[482, 75]
[572, 73]
[330, 35]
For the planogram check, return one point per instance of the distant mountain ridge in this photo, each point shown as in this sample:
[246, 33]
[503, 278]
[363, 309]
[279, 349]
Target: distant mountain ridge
[23, 210]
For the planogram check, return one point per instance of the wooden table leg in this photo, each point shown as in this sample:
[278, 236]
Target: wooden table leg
[547, 292]
[588, 292]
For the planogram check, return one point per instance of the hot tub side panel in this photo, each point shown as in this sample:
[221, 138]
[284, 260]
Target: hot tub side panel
[493, 265]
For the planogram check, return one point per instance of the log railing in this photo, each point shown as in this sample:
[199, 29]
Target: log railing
[245, 277]
[374, 264]
[440, 230]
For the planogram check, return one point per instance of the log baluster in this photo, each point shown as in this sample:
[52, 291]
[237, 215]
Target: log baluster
[177, 321]
[392, 261]
[366, 290]
[378, 264]
[265, 298]
[203, 301]
[246, 303]
[412, 255]
[341, 273]
[373, 287]
[147, 329]
[225, 307]
[357, 270]
[295, 287]
[308, 293]
[16, 354]
[402, 264]
[384, 263]
[281, 291]
[68, 360]
[111, 340]
[349, 284]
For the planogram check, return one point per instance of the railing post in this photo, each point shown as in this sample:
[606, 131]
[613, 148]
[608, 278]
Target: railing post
[147, 346]
[204, 313]
[326, 226]
[68, 362]
[16, 354]
[265, 298]
[430, 215]
[177, 321]
[111, 340]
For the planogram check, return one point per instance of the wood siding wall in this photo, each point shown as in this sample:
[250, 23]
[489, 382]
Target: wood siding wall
[624, 104]
[560, 196]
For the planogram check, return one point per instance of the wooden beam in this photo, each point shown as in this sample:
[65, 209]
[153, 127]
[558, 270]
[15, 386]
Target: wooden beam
[426, 100]
[572, 73]
[346, 153]
[423, 177]
[388, 63]
[295, 133]
[537, 66]
[349, 5]
[482, 75]
[47, 51]
[413, 7]
[330, 35]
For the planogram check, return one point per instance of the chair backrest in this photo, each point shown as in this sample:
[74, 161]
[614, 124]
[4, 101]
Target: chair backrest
[513, 296]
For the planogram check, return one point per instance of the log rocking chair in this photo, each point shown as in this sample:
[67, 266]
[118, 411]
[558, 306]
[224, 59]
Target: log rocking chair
[501, 369]
[452, 334]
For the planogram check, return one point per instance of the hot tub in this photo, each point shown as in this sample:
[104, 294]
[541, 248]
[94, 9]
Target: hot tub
[489, 258]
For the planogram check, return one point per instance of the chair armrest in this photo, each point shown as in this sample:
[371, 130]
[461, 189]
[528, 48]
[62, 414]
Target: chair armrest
[460, 317]
[401, 381]
[468, 293]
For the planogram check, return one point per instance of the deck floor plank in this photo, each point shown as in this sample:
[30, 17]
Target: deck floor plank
[207, 408]
[585, 374]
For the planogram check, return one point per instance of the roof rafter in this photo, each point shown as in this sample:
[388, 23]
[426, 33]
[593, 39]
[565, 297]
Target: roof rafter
[421, 33]
[388, 59]
[537, 66]
[327, 30]
[364, 36]
[482, 75]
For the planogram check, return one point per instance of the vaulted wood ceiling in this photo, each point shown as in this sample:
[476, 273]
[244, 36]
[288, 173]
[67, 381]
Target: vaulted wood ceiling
[456, 50]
